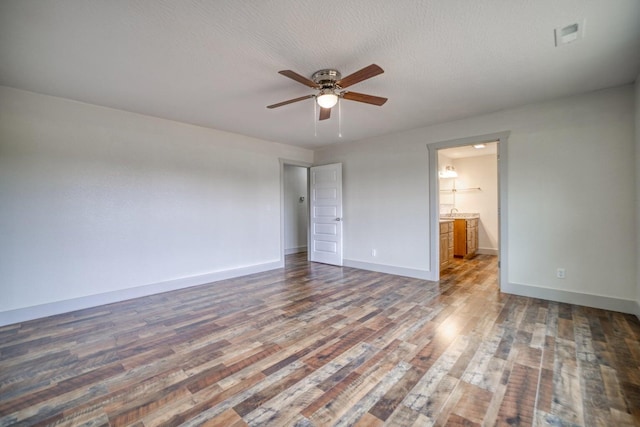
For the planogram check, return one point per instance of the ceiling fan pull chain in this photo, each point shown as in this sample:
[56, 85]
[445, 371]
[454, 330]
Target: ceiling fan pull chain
[315, 122]
[339, 118]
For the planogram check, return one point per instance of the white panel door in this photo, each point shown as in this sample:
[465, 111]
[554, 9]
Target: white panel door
[325, 243]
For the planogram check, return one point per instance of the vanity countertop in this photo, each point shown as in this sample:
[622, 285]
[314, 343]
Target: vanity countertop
[459, 215]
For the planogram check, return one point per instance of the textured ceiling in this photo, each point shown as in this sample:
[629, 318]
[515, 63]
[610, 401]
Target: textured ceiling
[215, 63]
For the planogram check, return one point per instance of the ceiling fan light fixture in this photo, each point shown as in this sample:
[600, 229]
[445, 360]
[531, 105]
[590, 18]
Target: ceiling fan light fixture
[327, 98]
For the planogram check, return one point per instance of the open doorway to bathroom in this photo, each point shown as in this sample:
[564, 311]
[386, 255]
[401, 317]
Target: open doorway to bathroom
[468, 201]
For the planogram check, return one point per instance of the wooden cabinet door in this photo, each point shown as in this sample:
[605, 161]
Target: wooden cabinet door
[460, 237]
[472, 240]
[444, 250]
[465, 237]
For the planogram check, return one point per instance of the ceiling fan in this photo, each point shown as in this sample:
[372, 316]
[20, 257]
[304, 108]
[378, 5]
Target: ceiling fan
[330, 83]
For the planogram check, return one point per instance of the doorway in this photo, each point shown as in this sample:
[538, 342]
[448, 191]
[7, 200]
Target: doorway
[295, 208]
[311, 211]
[468, 195]
[454, 196]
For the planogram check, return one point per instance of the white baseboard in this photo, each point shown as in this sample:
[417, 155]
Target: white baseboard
[297, 250]
[37, 311]
[389, 269]
[487, 251]
[569, 297]
[637, 310]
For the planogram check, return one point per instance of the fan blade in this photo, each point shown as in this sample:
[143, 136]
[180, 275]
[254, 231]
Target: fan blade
[325, 113]
[300, 79]
[364, 74]
[291, 101]
[363, 97]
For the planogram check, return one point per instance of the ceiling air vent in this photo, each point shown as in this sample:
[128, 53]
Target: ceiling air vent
[569, 34]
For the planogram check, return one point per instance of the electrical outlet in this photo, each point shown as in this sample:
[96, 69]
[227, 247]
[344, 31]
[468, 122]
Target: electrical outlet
[374, 252]
[561, 273]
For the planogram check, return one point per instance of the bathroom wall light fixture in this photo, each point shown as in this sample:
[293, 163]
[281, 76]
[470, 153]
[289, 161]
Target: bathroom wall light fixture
[448, 172]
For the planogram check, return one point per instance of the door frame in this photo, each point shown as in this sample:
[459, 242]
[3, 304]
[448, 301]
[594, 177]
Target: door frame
[305, 165]
[434, 199]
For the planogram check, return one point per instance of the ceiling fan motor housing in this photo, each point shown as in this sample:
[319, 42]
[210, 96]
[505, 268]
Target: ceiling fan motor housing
[327, 78]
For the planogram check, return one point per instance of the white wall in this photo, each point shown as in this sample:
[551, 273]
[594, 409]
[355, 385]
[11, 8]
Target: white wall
[482, 172]
[385, 193]
[96, 201]
[571, 187]
[295, 210]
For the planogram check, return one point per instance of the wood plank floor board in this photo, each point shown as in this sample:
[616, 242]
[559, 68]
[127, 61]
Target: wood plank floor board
[318, 345]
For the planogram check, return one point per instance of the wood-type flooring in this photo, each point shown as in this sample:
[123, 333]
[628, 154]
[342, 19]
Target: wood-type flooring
[318, 345]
